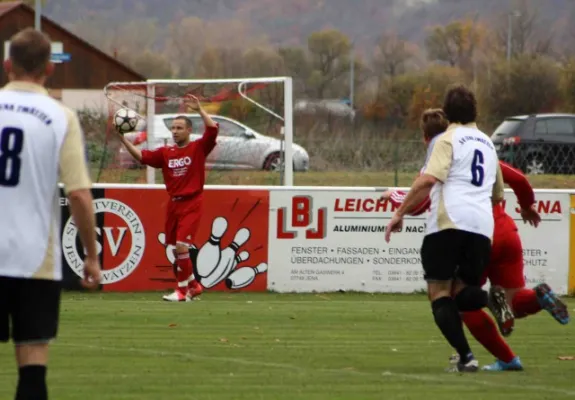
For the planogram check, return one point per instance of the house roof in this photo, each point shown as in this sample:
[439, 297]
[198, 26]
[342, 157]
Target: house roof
[7, 7]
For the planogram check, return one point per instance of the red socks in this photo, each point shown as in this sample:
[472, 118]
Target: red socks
[184, 271]
[525, 303]
[484, 330]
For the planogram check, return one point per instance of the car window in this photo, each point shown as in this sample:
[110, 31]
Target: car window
[541, 127]
[560, 126]
[228, 128]
[507, 128]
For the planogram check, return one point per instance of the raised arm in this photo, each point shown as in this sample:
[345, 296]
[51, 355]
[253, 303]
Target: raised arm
[208, 140]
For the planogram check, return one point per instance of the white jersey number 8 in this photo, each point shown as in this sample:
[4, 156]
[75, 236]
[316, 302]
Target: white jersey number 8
[11, 145]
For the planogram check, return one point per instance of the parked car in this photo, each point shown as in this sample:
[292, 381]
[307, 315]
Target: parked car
[538, 143]
[238, 146]
[333, 107]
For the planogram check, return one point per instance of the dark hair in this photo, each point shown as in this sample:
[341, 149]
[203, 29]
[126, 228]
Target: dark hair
[30, 52]
[184, 118]
[460, 105]
[433, 122]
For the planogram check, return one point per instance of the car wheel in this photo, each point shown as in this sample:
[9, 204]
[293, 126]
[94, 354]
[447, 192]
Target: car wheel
[273, 162]
[535, 165]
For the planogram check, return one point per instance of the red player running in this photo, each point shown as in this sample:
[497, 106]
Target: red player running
[183, 169]
[505, 270]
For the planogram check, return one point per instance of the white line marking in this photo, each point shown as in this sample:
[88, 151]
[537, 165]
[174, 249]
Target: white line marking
[408, 377]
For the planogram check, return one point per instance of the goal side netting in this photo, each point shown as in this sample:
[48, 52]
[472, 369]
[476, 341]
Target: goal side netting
[255, 141]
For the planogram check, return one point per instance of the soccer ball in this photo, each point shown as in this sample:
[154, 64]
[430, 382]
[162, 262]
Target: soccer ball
[125, 120]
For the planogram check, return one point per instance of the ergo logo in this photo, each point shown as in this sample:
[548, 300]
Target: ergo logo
[302, 217]
[179, 162]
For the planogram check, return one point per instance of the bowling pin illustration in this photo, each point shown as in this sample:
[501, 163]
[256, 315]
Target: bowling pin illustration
[210, 253]
[214, 279]
[244, 276]
[228, 257]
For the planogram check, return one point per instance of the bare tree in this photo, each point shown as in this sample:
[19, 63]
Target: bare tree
[392, 56]
[529, 35]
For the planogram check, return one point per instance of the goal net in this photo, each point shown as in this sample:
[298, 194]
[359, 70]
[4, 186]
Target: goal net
[254, 144]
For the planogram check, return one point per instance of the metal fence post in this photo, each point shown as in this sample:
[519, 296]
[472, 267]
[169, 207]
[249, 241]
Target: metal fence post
[396, 162]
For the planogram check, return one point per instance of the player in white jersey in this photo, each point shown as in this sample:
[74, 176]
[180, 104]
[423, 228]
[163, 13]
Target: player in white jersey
[40, 143]
[463, 179]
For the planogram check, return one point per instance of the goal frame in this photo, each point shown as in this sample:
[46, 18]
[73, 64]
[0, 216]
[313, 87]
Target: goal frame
[287, 119]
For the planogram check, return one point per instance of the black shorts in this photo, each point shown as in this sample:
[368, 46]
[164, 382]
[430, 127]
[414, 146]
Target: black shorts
[453, 253]
[29, 310]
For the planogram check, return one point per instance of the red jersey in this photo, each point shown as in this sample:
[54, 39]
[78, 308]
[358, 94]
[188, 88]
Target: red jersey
[183, 168]
[511, 176]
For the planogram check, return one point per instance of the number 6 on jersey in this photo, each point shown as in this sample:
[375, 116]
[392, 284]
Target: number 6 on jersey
[11, 145]
[477, 172]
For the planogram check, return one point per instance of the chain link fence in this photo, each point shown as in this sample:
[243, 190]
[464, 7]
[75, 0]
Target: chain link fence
[334, 145]
[540, 158]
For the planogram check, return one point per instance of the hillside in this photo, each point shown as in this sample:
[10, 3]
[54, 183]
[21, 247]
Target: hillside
[290, 22]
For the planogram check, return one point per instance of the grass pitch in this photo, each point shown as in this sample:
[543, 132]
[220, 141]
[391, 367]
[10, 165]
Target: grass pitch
[271, 346]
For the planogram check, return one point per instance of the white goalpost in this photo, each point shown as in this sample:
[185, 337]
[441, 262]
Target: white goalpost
[143, 98]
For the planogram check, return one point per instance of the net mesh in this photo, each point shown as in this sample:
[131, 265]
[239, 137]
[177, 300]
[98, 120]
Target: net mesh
[250, 140]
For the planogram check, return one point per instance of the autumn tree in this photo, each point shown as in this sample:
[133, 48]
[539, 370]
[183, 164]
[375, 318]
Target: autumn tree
[454, 43]
[184, 47]
[297, 65]
[526, 85]
[151, 65]
[568, 85]
[392, 56]
[330, 59]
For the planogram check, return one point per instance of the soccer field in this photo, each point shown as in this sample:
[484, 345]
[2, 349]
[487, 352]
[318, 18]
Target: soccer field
[272, 346]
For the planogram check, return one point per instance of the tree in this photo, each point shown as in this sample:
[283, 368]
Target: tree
[430, 90]
[392, 56]
[568, 85]
[152, 65]
[329, 54]
[528, 35]
[184, 46]
[529, 84]
[297, 65]
[454, 43]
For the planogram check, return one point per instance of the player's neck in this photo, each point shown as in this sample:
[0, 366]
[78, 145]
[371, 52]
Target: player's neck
[29, 79]
[183, 144]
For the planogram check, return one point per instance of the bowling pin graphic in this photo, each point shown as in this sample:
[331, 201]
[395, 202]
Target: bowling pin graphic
[209, 254]
[213, 280]
[244, 276]
[228, 258]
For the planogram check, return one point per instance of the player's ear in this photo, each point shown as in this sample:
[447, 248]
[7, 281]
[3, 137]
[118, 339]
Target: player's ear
[8, 66]
[49, 68]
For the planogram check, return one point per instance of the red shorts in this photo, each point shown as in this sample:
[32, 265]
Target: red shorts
[505, 267]
[182, 221]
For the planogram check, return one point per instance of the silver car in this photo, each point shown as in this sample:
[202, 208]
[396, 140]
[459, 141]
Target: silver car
[238, 146]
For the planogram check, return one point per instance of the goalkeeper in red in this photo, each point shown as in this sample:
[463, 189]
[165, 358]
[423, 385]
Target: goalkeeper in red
[183, 169]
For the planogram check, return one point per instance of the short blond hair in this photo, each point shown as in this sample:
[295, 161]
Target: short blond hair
[433, 122]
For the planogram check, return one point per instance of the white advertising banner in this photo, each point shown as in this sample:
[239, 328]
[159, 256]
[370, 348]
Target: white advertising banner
[325, 241]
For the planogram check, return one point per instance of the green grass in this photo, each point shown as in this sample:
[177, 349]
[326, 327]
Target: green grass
[270, 346]
[316, 178]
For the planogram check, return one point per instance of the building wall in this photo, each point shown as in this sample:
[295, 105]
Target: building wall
[88, 69]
